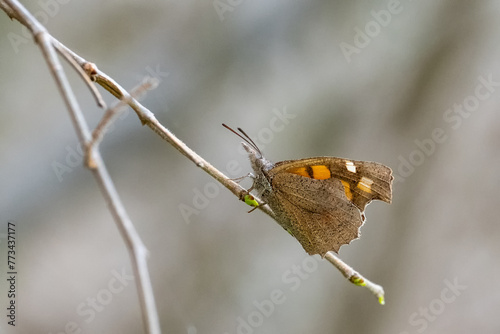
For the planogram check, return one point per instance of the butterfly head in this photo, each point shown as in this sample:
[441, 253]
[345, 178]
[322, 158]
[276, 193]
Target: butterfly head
[259, 163]
[257, 160]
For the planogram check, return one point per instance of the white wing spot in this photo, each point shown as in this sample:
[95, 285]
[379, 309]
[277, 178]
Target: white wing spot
[350, 166]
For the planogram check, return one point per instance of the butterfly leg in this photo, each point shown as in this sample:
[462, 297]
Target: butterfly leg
[251, 210]
[238, 179]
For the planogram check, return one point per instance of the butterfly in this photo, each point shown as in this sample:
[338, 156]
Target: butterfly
[320, 201]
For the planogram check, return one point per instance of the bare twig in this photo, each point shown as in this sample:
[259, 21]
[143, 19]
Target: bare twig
[354, 277]
[137, 250]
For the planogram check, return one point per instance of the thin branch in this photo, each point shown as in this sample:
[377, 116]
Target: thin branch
[137, 250]
[354, 277]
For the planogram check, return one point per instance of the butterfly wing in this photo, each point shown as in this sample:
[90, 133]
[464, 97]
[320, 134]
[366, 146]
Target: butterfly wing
[317, 213]
[321, 201]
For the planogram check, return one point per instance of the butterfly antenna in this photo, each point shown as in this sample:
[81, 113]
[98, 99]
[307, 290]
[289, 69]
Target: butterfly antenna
[250, 140]
[246, 138]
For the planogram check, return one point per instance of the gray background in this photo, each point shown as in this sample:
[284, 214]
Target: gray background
[239, 67]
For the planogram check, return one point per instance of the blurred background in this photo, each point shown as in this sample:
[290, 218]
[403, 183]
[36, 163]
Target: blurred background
[414, 85]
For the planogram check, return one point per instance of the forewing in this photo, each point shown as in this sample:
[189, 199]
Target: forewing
[362, 181]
